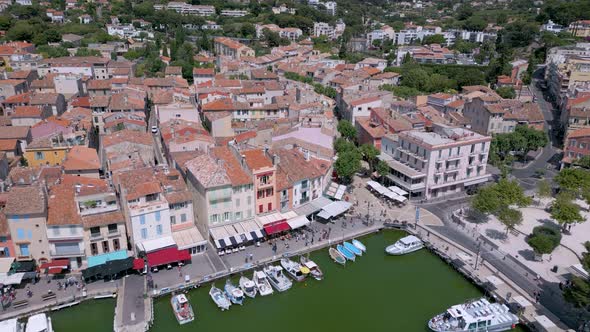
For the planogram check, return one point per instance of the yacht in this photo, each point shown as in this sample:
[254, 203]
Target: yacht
[219, 298]
[277, 278]
[293, 269]
[405, 245]
[475, 315]
[182, 309]
[314, 269]
[248, 287]
[39, 323]
[11, 325]
[235, 295]
[262, 284]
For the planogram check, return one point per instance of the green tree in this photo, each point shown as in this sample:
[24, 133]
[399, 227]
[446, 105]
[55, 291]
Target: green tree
[369, 153]
[544, 239]
[565, 211]
[342, 145]
[544, 189]
[382, 168]
[578, 292]
[434, 39]
[506, 92]
[347, 130]
[574, 180]
[83, 51]
[510, 218]
[497, 199]
[347, 164]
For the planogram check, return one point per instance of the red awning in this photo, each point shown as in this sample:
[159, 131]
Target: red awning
[58, 263]
[138, 263]
[167, 256]
[277, 227]
[54, 270]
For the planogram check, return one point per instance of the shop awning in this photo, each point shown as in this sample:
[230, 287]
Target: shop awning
[334, 209]
[312, 207]
[24, 266]
[277, 227]
[13, 279]
[157, 244]
[167, 256]
[398, 190]
[62, 264]
[109, 268]
[6, 264]
[256, 235]
[111, 256]
[298, 221]
[377, 187]
[54, 270]
[138, 264]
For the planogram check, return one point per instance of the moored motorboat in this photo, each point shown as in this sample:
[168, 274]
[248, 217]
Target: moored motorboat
[235, 295]
[11, 325]
[475, 315]
[248, 287]
[352, 248]
[405, 245]
[219, 298]
[345, 252]
[39, 323]
[293, 269]
[337, 256]
[314, 269]
[182, 309]
[359, 245]
[261, 281]
[277, 278]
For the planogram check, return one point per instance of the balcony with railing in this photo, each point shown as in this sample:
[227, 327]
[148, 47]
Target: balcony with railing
[95, 207]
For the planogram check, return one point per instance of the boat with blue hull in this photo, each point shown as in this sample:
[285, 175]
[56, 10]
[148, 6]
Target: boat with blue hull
[235, 295]
[345, 252]
[359, 245]
[352, 248]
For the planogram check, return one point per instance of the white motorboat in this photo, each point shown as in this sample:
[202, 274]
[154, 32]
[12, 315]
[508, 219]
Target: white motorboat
[359, 245]
[405, 245]
[219, 298]
[314, 269]
[475, 315]
[262, 283]
[293, 269]
[39, 323]
[248, 287]
[277, 278]
[11, 325]
[182, 309]
[235, 295]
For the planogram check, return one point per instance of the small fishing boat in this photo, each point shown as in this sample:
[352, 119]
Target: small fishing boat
[314, 269]
[219, 298]
[352, 248]
[277, 278]
[405, 245]
[293, 269]
[345, 252]
[262, 284]
[359, 245]
[12, 325]
[337, 256]
[248, 287]
[182, 309]
[235, 295]
[39, 323]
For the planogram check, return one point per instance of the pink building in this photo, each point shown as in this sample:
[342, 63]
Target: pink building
[6, 244]
[442, 162]
[264, 172]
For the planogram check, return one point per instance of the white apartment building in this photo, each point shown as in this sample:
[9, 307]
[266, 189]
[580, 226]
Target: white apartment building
[415, 33]
[126, 31]
[325, 29]
[435, 164]
[382, 34]
[234, 13]
[187, 9]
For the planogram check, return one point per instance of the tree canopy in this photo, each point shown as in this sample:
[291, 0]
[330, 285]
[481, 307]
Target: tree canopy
[499, 198]
[544, 239]
[347, 130]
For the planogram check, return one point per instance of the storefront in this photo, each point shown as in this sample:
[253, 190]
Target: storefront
[167, 256]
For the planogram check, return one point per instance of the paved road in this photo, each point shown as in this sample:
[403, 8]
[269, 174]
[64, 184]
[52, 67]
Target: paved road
[133, 304]
[153, 121]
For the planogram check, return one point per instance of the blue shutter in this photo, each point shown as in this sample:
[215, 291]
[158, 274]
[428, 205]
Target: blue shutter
[142, 219]
[30, 234]
[24, 249]
[158, 216]
[20, 233]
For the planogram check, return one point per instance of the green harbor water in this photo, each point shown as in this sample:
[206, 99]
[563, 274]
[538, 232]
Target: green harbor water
[375, 293]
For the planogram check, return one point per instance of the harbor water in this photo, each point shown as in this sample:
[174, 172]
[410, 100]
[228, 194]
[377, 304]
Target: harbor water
[375, 293]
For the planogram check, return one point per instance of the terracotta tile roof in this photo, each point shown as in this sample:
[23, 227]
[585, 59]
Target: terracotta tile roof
[138, 182]
[27, 112]
[224, 104]
[214, 116]
[25, 200]
[103, 219]
[582, 132]
[374, 130]
[80, 102]
[237, 175]
[14, 132]
[99, 85]
[207, 171]
[441, 95]
[4, 229]
[99, 101]
[256, 159]
[45, 98]
[81, 158]
[456, 104]
[173, 70]
[371, 71]
[361, 101]
[8, 144]
[204, 71]
[23, 98]
[293, 164]
[61, 206]
[127, 135]
[178, 197]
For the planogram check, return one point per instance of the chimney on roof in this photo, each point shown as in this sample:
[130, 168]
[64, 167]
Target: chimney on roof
[276, 159]
[243, 160]
[307, 155]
